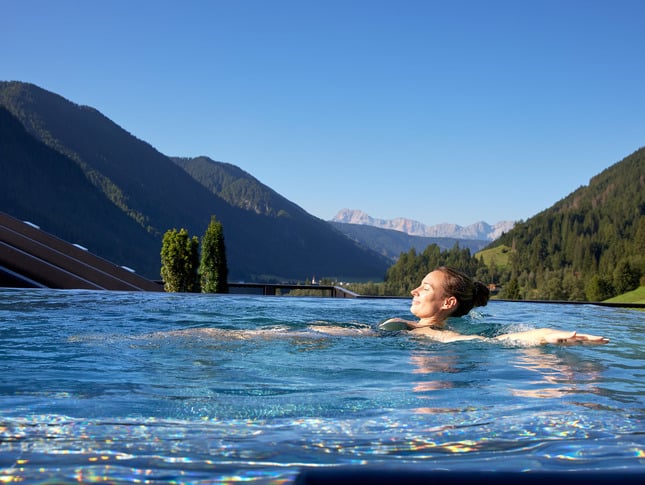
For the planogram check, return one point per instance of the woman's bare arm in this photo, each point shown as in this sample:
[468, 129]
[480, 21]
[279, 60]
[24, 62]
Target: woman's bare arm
[542, 336]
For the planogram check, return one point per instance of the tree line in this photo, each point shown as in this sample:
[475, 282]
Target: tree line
[405, 275]
[187, 269]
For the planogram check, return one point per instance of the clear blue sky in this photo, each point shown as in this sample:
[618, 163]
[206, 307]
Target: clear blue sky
[439, 111]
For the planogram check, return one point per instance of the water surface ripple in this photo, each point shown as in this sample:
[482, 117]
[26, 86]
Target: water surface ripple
[166, 388]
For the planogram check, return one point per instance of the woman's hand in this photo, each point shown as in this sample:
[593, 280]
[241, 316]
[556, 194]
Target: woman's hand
[561, 337]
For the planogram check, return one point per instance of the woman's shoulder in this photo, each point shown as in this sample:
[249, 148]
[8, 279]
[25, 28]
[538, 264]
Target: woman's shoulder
[395, 324]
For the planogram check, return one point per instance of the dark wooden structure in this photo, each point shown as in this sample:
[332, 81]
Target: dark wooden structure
[32, 258]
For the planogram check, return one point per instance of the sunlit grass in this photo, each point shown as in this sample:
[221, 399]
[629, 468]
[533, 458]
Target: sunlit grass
[497, 255]
[634, 296]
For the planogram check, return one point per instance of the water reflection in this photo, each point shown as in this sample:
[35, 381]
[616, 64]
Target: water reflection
[556, 374]
[427, 365]
[534, 373]
[434, 369]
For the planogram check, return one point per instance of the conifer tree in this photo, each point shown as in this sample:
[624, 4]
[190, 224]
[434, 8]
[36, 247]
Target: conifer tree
[599, 288]
[180, 261]
[626, 277]
[213, 268]
[512, 290]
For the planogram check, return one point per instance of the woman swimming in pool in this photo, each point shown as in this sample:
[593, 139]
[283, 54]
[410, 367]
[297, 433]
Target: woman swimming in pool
[446, 292]
[443, 293]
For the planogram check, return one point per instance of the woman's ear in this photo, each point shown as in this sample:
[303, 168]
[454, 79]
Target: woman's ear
[450, 303]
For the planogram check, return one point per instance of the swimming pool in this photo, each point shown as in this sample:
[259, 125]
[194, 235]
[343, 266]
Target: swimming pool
[134, 388]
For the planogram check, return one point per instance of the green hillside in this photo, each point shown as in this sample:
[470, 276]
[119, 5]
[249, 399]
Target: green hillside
[239, 188]
[634, 296]
[588, 246]
[497, 256]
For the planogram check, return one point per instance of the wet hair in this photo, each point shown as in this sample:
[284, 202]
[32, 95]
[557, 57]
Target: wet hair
[469, 293]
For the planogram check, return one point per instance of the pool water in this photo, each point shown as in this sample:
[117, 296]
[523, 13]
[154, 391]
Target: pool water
[186, 388]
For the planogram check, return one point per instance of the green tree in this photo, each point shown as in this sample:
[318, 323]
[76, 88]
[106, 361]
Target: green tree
[598, 288]
[573, 286]
[213, 268]
[409, 270]
[626, 277]
[179, 261]
[553, 289]
[512, 290]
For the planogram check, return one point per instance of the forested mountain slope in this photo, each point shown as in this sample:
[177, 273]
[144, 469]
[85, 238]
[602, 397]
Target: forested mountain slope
[589, 245]
[157, 195]
[45, 187]
[239, 188]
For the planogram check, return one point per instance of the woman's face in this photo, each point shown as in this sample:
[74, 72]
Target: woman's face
[429, 298]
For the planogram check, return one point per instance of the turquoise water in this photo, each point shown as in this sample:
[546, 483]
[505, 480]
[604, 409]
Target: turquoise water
[168, 388]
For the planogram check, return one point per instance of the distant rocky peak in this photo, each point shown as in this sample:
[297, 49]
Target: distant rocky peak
[478, 230]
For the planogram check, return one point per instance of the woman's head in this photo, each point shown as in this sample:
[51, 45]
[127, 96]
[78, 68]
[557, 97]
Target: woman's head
[447, 292]
[469, 293]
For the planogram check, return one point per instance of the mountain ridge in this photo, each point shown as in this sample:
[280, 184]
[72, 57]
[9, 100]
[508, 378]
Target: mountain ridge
[476, 231]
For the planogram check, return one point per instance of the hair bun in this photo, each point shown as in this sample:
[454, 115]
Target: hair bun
[481, 293]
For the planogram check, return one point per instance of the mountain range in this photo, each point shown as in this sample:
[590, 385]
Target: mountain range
[477, 231]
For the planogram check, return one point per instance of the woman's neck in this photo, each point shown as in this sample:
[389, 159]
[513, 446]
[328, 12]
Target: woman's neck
[430, 322]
